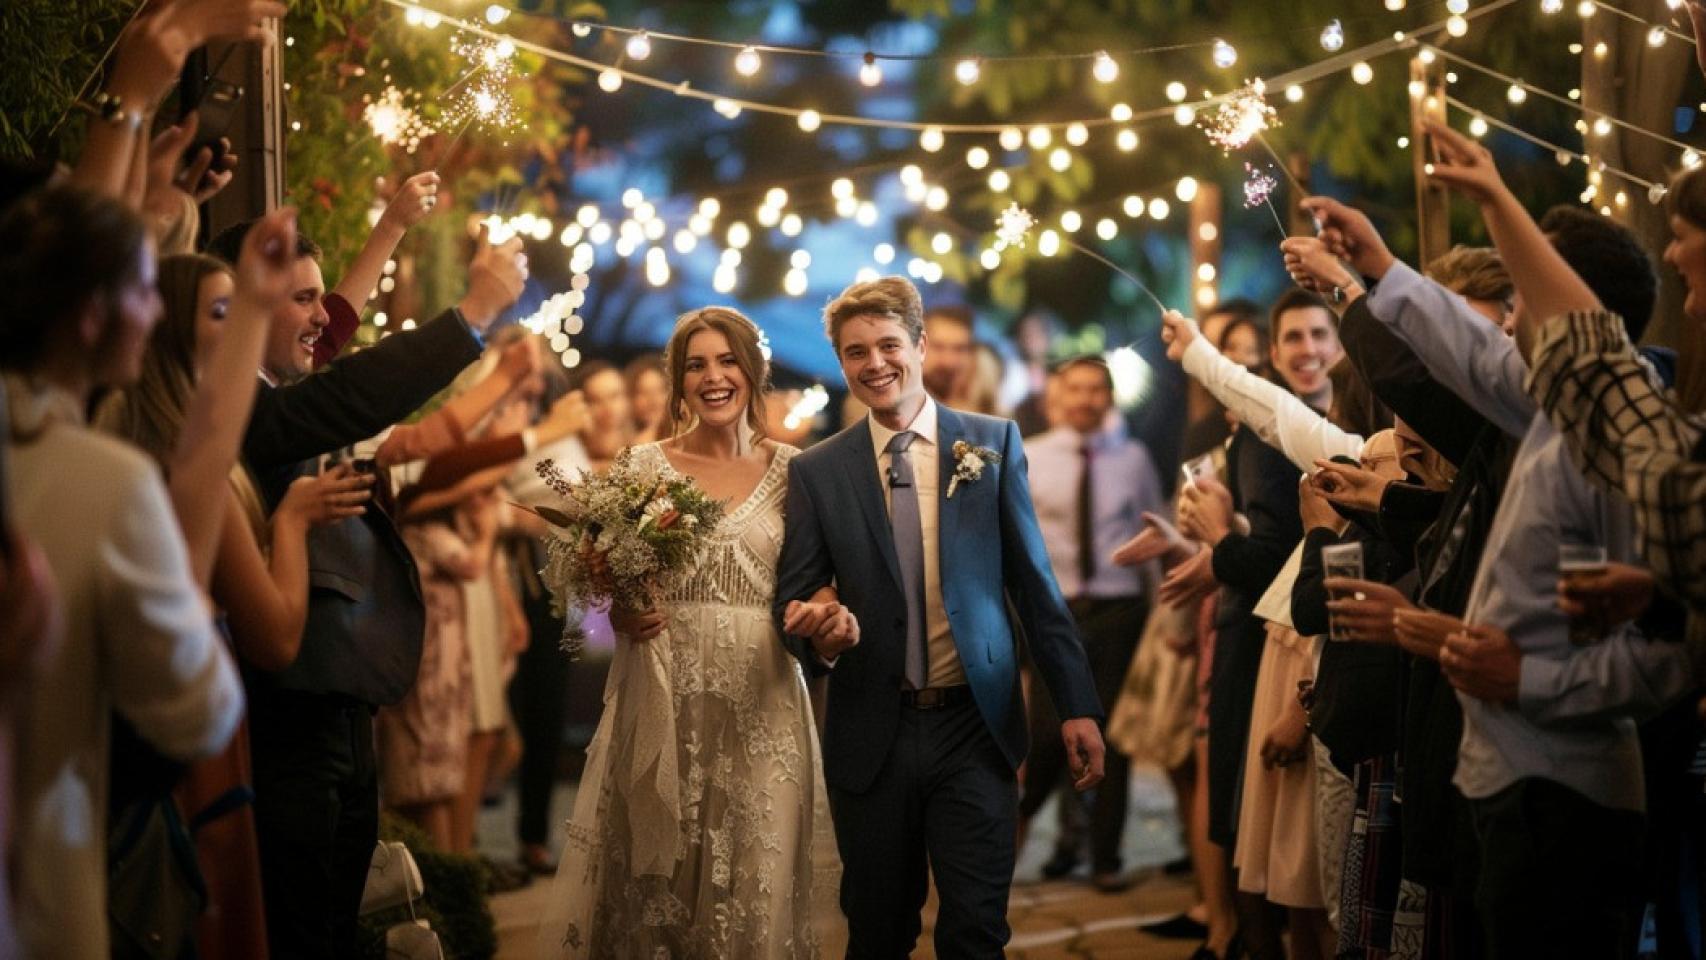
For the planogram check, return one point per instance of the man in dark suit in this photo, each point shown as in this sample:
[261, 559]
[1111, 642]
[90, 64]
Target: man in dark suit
[311, 724]
[921, 519]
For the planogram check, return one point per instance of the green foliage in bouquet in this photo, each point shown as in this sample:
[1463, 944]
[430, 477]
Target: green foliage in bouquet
[625, 535]
[454, 902]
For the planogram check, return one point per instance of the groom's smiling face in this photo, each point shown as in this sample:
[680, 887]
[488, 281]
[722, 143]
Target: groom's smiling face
[883, 367]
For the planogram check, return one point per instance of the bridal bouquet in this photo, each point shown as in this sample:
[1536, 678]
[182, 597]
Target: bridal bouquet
[623, 536]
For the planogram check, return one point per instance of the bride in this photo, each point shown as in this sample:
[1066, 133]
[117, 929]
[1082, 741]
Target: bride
[701, 826]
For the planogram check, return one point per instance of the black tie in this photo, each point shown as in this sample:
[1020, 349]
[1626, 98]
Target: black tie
[1086, 525]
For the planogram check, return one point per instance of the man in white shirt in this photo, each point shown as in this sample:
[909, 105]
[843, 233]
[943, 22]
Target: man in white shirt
[1091, 487]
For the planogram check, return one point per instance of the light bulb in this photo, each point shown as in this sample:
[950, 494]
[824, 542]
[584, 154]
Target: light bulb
[1011, 138]
[1158, 209]
[639, 46]
[1175, 91]
[931, 139]
[1362, 73]
[865, 214]
[1071, 221]
[1601, 127]
[1550, 7]
[800, 259]
[609, 80]
[1060, 159]
[1048, 243]
[1224, 54]
[776, 197]
[1186, 189]
[496, 14]
[792, 225]
[748, 62]
[1126, 140]
[1516, 94]
[842, 187]
[1656, 37]
[1394, 5]
[1586, 9]
[581, 29]
[883, 253]
[794, 283]
[967, 71]
[1456, 25]
[1293, 93]
[1478, 127]
[999, 181]
[810, 120]
[941, 243]
[1133, 206]
[936, 199]
[739, 235]
[869, 73]
[989, 259]
[1121, 113]
[1077, 134]
[726, 107]
[1105, 69]
[1332, 37]
[911, 174]
[1184, 115]
[1459, 7]
[977, 158]
[1040, 137]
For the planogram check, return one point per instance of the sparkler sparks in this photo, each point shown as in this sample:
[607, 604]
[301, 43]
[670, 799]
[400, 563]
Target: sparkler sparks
[1258, 186]
[394, 121]
[1239, 118]
[1013, 225]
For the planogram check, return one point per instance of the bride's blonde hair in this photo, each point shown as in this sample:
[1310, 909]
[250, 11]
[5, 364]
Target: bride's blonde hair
[744, 340]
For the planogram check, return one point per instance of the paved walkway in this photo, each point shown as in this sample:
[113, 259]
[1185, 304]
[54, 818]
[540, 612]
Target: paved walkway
[1051, 920]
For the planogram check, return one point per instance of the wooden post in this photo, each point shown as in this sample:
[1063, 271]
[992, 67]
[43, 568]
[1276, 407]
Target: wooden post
[257, 134]
[1206, 229]
[1433, 209]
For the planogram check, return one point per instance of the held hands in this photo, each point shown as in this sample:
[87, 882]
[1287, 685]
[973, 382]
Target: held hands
[1205, 510]
[331, 496]
[1177, 332]
[1608, 597]
[1349, 235]
[411, 204]
[1484, 663]
[829, 626]
[496, 277]
[1084, 751]
[1365, 611]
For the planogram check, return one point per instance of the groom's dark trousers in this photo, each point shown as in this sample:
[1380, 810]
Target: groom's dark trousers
[923, 781]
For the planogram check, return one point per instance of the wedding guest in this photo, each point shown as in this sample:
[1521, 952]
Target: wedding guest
[983, 387]
[1542, 751]
[949, 364]
[609, 427]
[648, 397]
[260, 573]
[1090, 489]
[1231, 324]
[316, 782]
[1034, 335]
[77, 301]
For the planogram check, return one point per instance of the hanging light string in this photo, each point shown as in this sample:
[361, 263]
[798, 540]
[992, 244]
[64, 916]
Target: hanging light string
[1549, 95]
[1325, 67]
[1598, 165]
[1637, 18]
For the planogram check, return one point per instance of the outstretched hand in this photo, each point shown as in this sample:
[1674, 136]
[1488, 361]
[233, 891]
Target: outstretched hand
[496, 277]
[1349, 235]
[1313, 267]
[1177, 332]
[1464, 165]
[1085, 752]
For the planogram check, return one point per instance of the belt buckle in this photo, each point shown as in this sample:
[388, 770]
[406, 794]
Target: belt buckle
[929, 698]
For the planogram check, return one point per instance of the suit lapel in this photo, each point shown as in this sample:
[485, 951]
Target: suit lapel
[949, 429]
[864, 470]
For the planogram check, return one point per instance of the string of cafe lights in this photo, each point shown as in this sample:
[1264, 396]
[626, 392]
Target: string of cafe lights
[1480, 121]
[1656, 32]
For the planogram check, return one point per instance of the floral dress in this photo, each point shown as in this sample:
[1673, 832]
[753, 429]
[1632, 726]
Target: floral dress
[701, 826]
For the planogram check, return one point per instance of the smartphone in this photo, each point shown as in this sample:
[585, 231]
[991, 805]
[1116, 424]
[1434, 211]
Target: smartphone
[217, 106]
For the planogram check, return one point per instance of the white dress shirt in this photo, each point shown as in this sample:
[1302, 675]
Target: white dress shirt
[1123, 485]
[137, 637]
[945, 668]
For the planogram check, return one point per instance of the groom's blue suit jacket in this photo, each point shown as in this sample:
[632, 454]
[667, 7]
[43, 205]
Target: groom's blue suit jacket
[991, 552]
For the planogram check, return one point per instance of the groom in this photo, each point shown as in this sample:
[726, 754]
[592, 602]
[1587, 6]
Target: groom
[926, 726]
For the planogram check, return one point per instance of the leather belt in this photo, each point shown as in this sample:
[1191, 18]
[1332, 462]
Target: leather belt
[935, 698]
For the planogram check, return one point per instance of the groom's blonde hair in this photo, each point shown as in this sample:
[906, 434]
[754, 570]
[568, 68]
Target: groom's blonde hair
[892, 298]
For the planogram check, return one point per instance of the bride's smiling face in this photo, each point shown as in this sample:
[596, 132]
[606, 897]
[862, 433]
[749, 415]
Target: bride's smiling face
[712, 384]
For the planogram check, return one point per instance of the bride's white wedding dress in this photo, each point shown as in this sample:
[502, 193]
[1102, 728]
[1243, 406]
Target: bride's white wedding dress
[701, 827]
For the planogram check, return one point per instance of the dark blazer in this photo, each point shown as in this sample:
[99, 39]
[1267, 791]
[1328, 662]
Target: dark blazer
[365, 618]
[991, 550]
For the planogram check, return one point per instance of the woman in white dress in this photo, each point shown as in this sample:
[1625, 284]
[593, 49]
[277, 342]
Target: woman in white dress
[701, 827]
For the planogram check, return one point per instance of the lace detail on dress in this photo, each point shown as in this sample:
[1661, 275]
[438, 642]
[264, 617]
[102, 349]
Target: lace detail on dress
[755, 865]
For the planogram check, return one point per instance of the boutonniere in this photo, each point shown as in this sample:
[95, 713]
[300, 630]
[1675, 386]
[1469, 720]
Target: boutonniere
[969, 461]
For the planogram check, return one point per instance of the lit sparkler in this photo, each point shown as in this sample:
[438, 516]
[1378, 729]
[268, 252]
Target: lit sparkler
[394, 121]
[481, 96]
[1239, 118]
[1259, 191]
[1013, 225]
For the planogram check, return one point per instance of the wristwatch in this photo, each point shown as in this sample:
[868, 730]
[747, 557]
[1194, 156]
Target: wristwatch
[110, 108]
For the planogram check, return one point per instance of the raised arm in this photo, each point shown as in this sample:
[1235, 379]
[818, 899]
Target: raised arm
[1276, 415]
[218, 411]
[411, 204]
[1464, 351]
